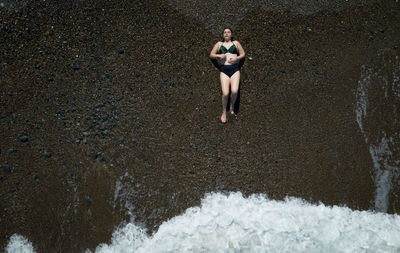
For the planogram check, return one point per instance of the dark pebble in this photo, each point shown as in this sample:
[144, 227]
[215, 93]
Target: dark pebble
[10, 93]
[60, 112]
[283, 70]
[7, 170]
[81, 60]
[99, 105]
[97, 154]
[74, 109]
[121, 140]
[121, 51]
[396, 47]
[1, 177]
[102, 159]
[109, 76]
[2, 116]
[11, 150]
[35, 177]
[11, 191]
[89, 199]
[47, 154]
[75, 67]
[32, 139]
[23, 138]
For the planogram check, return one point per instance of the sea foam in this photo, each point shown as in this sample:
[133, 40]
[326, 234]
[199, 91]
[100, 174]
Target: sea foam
[233, 223]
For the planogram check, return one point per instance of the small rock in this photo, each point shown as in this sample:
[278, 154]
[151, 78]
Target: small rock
[86, 134]
[60, 112]
[74, 109]
[396, 47]
[250, 58]
[121, 140]
[84, 141]
[75, 67]
[89, 199]
[2, 5]
[11, 190]
[35, 177]
[283, 70]
[47, 154]
[2, 116]
[121, 51]
[11, 150]
[99, 105]
[23, 138]
[97, 154]
[102, 159]
[6, 170]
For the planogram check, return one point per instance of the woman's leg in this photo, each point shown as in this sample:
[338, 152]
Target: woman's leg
[225, 95]
[235, 79]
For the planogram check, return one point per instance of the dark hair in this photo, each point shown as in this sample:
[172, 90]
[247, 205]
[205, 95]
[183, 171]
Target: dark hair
[223, 33]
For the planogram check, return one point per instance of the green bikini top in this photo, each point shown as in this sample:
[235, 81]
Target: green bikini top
[232, 49]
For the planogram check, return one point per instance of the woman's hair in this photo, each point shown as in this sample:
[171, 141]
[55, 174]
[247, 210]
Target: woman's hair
[223, 33]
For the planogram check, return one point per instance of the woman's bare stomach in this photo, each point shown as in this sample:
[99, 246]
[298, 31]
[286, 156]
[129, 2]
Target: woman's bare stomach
[226, 60]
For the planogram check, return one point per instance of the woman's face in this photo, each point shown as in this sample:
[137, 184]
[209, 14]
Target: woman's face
[227, 34]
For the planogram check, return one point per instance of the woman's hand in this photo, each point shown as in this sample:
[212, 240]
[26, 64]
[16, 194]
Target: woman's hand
[232, 59]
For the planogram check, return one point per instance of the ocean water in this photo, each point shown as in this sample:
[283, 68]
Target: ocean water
[234, 223]
[383, 82]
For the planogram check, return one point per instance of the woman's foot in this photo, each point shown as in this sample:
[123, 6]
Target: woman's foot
[232, 111]
[223, 117]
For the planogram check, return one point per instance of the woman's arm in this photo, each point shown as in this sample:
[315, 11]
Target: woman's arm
[214, 52]
[242, 54]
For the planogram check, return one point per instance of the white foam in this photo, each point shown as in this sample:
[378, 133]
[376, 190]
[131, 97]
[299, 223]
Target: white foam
[385, 167]
[19, 244]
[232, 223]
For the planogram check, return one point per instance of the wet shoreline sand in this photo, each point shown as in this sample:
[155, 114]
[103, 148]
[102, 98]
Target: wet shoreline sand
[123, 95]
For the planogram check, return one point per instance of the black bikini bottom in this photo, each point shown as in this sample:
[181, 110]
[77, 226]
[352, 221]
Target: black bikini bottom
[229, 70]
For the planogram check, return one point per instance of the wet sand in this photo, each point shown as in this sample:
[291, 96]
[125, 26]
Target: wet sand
[93, 91]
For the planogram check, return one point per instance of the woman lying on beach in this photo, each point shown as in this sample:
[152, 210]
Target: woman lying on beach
[230, 53]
